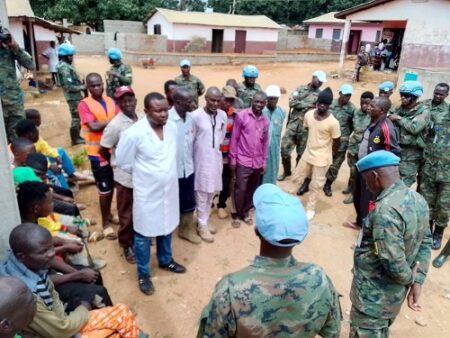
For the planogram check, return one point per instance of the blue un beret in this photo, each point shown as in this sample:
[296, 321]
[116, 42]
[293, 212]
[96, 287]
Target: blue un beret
[377, 159]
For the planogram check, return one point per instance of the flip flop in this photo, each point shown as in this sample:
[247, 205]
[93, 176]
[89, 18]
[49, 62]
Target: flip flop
[248, 221]
[95, 237]
[351, 225]
[235, 223]
[110, 233]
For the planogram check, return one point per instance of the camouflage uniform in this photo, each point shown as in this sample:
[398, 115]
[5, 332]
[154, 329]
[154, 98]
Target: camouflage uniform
[273, 298]
[435, 185]
[193, 84]
[360, 123]
[395, 237]
[10, 93]
[411, 128]
[301, 101]
[344, 115]
[246, 93]
[73, 92]
[124, 79]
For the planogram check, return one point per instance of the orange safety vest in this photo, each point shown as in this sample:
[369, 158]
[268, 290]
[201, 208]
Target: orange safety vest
[93, 138]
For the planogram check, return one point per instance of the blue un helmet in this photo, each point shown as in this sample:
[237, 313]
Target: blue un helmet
[66, 49]
[250, 71]
[414, 88]
[115, 54]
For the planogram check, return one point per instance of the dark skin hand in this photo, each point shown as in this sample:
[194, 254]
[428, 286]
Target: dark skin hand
[415, 291]
[84, 276]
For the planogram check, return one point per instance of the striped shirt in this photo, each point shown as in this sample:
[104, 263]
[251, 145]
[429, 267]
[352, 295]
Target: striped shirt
[225, 146]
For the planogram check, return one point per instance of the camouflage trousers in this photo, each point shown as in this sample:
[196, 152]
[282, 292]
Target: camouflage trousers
[351, 161]
[437, 195]
[410, 165]
[338, 159]
[73, 108]
[363, 326]
[294, 137]
[13, 112]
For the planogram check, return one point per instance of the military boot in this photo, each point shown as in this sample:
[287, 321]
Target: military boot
[440, 260]
[187, 228]
[327, 188]
[286, 169]
[304, 188]
[75, 136]
[437, 237]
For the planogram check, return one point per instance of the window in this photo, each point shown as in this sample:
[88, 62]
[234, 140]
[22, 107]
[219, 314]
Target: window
[378, 37]
[319, 33]
[336, 34]
[157, 29]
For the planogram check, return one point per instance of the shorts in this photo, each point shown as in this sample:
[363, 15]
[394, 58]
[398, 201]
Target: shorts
[103, 175]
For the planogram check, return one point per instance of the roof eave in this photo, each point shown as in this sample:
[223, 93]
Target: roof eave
[343, 14]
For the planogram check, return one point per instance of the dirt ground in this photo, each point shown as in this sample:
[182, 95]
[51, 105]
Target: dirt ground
[174, 309]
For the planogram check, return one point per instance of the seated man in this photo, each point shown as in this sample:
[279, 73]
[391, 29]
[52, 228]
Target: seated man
[31, 257]
[20, 148]
[276, 295]
[17, 307]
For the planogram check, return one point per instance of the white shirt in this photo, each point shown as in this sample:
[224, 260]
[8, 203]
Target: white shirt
[185, 141]
[52, 55]
[152, 163]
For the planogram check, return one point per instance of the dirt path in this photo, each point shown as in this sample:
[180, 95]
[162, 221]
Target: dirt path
[174, 309]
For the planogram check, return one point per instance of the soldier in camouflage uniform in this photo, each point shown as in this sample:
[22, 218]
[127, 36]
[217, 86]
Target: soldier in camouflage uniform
[249, 87]
[276, 296]
[343, 110]
[393, 250]
[74, 88]
[10, 93]
[361, 121]
[119, 74]
[302, 100]
[189, 81]
[411, 118]
[386, 89]
[435, 183]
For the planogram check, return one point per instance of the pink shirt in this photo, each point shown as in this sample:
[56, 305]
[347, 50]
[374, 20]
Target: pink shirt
[249, 140]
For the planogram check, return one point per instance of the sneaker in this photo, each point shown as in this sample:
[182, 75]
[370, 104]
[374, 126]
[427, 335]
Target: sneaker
[174, 267]
[222, 213]
[205, 235]
[146, 286]
[349, 199]
[129, 255]
[310, 214]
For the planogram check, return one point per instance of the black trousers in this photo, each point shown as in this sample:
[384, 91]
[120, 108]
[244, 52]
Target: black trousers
[226, 186]
[361, 199]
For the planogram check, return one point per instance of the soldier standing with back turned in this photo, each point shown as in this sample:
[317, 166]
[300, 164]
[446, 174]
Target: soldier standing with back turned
[74, 88]
[303, 99]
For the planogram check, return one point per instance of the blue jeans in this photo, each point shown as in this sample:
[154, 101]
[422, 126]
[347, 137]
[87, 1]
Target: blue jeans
[68, 167]
[142, 252]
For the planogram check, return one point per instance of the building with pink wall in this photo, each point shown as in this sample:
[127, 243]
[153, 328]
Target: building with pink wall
[223, 33]
[328, 27]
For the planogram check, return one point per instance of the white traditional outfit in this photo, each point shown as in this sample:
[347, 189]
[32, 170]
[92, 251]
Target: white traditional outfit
[209, 132]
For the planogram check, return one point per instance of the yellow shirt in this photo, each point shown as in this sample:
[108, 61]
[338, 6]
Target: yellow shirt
[51, 223]
[319, 148]
[44, 148]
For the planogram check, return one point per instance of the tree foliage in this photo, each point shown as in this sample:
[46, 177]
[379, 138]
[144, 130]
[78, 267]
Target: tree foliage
[93, 12]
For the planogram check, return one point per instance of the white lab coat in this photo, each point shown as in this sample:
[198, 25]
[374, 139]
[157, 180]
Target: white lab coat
[153, 165]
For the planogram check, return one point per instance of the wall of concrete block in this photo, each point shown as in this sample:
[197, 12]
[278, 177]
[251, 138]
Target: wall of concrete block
[288, 40]
[89, 43]
[122, 26]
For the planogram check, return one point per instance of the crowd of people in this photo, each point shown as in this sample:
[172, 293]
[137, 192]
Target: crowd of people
[168, 165]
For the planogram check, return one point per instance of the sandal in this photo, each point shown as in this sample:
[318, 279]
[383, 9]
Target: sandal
[80, 206]
[235, 223]
[110, 234]
[351, 225]
[248, 221]
[95, 237]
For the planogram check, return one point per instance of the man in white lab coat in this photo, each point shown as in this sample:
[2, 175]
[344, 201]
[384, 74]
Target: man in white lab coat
[148, 151]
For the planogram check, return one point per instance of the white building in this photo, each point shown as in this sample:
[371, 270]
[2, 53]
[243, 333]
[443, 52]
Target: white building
[224, 33]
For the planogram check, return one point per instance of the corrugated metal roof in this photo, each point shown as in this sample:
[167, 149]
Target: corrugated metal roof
[216, 19]
[19, 8]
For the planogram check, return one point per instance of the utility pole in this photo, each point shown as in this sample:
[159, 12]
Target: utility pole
[8, 202]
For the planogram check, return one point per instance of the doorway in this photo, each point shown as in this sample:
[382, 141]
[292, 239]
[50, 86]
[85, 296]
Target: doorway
[240, 39]
[217, 41]
[353, 42]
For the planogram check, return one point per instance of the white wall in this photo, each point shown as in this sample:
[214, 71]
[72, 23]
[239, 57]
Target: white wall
[16, 29]
[43, 34]
[166, 26]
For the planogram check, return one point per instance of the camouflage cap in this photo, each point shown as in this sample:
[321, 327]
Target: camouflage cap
[279, 216]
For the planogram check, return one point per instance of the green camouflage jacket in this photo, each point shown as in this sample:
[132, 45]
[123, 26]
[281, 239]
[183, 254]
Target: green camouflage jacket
[395, 237]
[437, 144]
[124, 79]
[9, 85]
[345, 117]
[302, 100]
[273, 298]
[193, 84]
[246, 93]
[360, 123]
[412, 125]
[70, 82]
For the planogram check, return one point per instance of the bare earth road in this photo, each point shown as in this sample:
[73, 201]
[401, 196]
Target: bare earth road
[174, 309]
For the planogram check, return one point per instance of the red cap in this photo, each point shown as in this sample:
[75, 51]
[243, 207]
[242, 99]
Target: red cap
[121, 91]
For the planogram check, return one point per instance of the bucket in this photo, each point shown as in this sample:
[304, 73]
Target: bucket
[410, 76]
